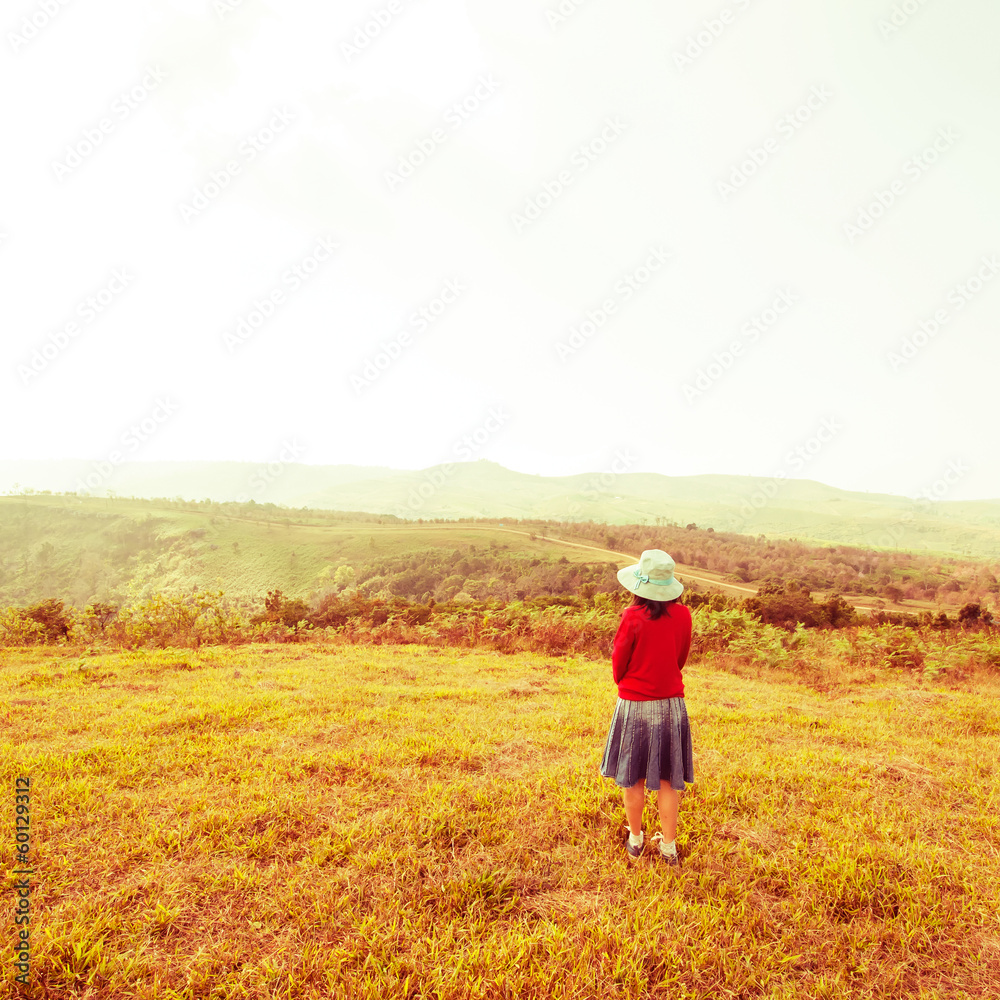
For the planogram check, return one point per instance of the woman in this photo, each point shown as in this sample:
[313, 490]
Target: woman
[650, 739]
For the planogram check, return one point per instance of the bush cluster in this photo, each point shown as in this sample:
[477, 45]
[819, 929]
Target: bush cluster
[551, 625]
[789, 605]
[478, 573]
[772, 630]
[845, 569]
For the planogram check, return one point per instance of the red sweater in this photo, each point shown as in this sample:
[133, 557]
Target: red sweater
[648, 655]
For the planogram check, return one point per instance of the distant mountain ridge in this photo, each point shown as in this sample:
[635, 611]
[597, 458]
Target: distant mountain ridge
[786, 508]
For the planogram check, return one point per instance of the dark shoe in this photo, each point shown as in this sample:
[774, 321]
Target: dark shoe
[671, 860]
[634, 853]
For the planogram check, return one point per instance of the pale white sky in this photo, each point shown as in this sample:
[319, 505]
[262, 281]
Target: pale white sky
[555, 230]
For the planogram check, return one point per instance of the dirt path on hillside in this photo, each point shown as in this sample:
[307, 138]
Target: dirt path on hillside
[684, 572]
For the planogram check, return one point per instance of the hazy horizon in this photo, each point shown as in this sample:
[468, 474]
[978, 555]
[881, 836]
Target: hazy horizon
[278, 468]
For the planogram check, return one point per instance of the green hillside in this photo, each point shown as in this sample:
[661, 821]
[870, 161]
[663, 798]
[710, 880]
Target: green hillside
[84, 549]
[778, 508]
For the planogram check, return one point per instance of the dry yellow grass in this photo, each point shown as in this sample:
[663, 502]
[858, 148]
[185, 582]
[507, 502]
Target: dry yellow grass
[406, 822]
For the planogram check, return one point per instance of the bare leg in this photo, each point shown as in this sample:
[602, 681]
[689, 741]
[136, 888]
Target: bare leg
[668, 803]
[635, 799]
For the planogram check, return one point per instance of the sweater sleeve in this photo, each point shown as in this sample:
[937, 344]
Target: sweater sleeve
[684, 647]
[622, 650]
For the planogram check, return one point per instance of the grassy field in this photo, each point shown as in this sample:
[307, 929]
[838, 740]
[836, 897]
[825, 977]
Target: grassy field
[390, 822]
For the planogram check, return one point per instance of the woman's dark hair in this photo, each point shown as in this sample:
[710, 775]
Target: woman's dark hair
[655, 608]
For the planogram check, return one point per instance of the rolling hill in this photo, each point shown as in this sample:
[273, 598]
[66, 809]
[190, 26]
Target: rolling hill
[786, 508]
[85, 549]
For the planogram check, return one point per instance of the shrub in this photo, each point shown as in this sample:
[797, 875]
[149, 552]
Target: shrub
[284, 610]
[53, 618]
[884, 646]
[16, 629]
[175, 620]
[731, 629]
[92, 625]
[715, 601]
[785, 608]
[974, 617]
[902, 618]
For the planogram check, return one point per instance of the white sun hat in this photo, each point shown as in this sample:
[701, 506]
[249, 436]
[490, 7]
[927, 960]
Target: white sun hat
[652, 576]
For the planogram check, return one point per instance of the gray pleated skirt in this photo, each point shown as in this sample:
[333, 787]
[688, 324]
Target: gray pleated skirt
[651, 740]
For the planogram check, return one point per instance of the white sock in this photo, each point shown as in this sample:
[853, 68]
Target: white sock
[670, 848]
[633, 840]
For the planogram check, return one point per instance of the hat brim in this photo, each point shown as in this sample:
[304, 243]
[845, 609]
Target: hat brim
[651, 591]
